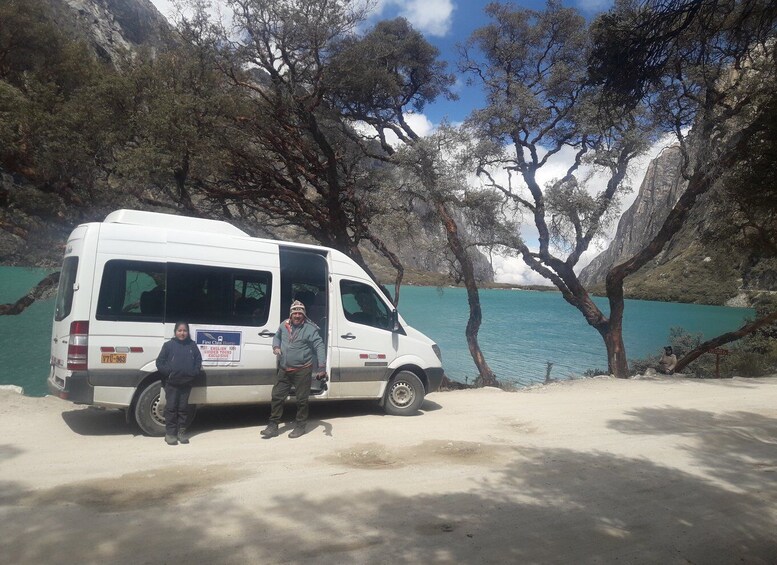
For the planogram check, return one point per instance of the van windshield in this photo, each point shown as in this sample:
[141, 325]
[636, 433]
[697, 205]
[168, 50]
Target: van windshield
[65, 291]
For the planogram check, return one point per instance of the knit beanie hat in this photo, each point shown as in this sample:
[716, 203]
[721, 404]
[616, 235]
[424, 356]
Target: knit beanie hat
[297, 306]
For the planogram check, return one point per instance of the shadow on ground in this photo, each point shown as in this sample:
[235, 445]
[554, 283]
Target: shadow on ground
[104, 422]
[538, 506]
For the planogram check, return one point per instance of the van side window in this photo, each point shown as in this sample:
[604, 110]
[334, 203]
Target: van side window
[65, 291]
[217, 295]
[362, 305]
[132, 291]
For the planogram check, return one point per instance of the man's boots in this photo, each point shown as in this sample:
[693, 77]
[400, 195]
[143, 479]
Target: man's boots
[171, 440]
[299, 430]
[270, 431]
[183, 437]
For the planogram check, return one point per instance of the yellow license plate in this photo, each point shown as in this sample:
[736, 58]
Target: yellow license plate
[114, 357]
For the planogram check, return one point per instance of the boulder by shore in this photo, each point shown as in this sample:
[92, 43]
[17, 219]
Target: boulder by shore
[663, 470]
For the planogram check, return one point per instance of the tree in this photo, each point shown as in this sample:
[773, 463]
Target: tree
[552, 84]
[182, 116]
[383, 77]
[532, 65]
[748, 194]
[290, 161]
[51, 122]
[709, 72]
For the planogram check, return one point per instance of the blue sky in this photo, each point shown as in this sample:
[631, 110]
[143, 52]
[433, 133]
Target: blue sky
[448, 23]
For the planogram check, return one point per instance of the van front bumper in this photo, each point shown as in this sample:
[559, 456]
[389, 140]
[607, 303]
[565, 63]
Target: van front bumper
[76, 388]
[434, 376]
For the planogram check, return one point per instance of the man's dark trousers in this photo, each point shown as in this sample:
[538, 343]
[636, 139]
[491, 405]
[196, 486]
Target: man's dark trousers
[300, 380]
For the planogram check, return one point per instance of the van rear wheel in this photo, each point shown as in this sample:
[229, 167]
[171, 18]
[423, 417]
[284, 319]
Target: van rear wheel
[150, 410]
[404, 395]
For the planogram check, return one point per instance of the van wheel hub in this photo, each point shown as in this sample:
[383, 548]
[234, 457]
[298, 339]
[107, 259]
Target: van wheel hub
[402, 394]
[158, 410]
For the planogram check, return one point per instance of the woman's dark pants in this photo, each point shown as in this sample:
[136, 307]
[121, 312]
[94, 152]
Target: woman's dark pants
[177, 408]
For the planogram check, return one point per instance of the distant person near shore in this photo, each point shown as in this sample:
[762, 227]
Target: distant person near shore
[296, 343]
[179, 362]
[668, 361]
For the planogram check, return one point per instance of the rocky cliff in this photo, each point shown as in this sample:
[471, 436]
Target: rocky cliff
[658, 193]
[112, 27]
[695, 266]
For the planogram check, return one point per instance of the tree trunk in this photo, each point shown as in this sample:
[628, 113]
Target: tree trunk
[395, 262]
[49, 283]
[611, 329]
[723, 339]
[486, 376]
[617, 363]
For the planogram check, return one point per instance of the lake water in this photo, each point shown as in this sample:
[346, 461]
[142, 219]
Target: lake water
[521, 331]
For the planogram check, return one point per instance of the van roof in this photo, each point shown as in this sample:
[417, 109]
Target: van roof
[344, 264]
[170, 221]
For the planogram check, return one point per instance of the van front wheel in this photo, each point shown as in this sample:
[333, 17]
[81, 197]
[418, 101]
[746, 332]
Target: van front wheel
[404, 395]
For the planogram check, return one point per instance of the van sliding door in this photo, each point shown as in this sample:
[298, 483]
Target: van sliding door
[305, 277]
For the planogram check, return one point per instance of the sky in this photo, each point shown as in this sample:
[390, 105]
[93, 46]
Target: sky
[447, 24]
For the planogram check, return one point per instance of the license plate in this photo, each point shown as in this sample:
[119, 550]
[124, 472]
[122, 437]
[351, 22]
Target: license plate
[114, 358]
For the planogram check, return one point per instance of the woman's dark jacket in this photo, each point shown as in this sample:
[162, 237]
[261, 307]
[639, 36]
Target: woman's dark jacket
[179, 362]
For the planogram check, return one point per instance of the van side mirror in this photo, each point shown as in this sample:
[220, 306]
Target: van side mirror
[395, 321]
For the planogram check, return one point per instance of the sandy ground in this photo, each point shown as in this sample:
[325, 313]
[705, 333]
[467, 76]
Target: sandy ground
[593, 471]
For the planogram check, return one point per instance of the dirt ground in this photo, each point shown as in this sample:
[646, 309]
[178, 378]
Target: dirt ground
[592, 471]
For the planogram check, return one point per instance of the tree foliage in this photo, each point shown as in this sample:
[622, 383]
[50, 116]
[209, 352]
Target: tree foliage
[51, 118]
[716, 76]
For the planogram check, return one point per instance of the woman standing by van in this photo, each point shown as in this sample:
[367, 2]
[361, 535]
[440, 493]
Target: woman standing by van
[179, 362]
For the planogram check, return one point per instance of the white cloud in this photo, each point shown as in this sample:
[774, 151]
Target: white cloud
[418, 122]
[172, 9]
[431, 17]
[512, 270]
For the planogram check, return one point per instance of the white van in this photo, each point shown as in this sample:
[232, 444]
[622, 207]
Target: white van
[127, 280]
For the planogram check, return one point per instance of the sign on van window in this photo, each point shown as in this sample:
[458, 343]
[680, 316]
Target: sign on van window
[219, 347]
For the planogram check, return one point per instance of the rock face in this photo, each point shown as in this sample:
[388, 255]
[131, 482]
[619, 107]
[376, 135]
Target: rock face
[658, 193]
[695, 266]
[112, 27]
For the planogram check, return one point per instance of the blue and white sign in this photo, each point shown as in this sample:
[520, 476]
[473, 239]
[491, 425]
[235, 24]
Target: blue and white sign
[218, 346]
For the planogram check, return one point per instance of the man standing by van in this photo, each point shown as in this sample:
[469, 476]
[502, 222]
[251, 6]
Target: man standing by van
[297, 342]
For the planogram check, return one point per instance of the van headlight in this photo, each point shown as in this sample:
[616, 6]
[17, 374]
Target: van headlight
[436, 349]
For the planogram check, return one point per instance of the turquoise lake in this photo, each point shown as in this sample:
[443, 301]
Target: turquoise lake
[521, 331]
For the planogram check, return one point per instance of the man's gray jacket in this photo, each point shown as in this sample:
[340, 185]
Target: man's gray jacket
[299, 345]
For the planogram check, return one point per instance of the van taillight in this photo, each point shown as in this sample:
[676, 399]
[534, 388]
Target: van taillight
[77, 346]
